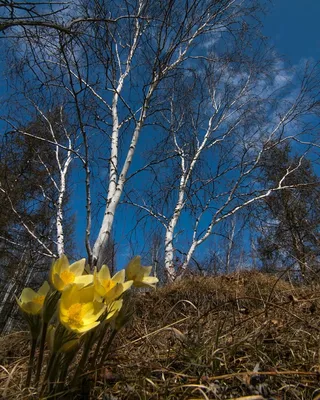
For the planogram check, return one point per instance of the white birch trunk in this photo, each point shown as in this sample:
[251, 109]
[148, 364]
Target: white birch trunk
[186, 173]
[62, 192]
[116, 184]
[61, 186]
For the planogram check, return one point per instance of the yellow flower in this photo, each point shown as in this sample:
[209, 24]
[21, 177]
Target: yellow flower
[110, 288]
[78, 310]
[62, 274]
[31, 302]
[139, 274]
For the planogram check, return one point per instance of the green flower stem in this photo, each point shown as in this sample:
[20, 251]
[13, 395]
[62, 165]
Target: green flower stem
[31, 358]
[53, 372]
[65, 364]
[49, 368]
[50, 305]
[41, 351]
[50, 365]
[107, 346]
[63, 376]
[86, 350]
[96, 353]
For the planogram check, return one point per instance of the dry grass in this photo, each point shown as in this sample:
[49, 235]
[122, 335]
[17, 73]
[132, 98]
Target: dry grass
[245, 335]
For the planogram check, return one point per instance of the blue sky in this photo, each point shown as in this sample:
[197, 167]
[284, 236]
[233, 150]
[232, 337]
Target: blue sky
[293, 27]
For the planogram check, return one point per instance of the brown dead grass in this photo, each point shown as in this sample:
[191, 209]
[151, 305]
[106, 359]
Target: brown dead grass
[246, 335]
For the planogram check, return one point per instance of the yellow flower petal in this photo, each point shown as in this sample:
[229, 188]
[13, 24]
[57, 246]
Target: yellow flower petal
[84, 280]
[70, 296]
[104, 273]
[87, 309]
[114, 293]
[143, 283]
[27, 295]
[146, 270]
[60, 264]
[58, 283]
[99, 289]
[133, 267]
[127, 285]
[78, 267]
[119, 276]
[150, 280]
[87, 328]
[63, 263]
[97, 281]
[91, 319]
[44, 289]
[87, 294]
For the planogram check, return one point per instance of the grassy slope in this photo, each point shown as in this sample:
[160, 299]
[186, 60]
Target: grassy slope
[245, 334]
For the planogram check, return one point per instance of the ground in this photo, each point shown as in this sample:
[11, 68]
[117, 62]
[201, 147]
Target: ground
[247, 335]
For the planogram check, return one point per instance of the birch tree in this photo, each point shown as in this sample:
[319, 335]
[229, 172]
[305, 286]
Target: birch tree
[34, 194]
[112, 61]
[218, 139]
[49, 148]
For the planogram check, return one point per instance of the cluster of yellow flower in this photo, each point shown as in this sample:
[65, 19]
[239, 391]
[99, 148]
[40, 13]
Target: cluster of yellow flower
[76, 303]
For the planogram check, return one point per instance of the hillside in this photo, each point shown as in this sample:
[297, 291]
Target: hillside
[242, 336]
